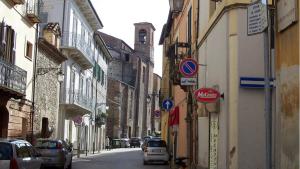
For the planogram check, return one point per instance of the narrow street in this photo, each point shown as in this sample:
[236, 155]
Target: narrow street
[116, 159]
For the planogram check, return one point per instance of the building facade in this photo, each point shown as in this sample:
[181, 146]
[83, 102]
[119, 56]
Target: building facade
[48, 78]
[18, 51]
[84, 50]
[144, 50]
[155, 105]
[286, 123]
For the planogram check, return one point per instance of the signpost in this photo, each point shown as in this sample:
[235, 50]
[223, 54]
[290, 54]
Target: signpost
[188, 67]
[167, 104]
[207, 95]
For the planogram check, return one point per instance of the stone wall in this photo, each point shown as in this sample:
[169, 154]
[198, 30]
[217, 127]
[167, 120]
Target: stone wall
[46, 95]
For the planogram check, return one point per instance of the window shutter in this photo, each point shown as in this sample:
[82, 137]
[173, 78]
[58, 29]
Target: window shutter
[13, 53]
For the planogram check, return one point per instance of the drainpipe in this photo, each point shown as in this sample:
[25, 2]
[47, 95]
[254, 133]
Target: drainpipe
[34, 75]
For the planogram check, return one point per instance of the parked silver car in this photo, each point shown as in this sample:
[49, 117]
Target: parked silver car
[18, 154]
[55, 153]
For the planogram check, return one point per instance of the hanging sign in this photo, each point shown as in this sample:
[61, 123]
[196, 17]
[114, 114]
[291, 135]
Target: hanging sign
[188, 67]
[207, 95]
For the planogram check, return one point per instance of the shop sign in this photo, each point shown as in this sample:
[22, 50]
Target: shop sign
[287, 13]
[207, 95]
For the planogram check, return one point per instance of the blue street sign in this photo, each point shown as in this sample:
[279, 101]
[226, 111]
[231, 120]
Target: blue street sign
[167, 104]
[188, 67]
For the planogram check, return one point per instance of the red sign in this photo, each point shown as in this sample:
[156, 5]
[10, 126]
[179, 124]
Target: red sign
[207, 95]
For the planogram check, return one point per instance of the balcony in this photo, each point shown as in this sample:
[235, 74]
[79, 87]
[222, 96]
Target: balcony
[77, 103]
[12, 79]
[31, 11]
[78, 49]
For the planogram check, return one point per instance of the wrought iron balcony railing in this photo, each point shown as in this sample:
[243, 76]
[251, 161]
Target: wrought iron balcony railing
[78, 42]
[78, 98]
[12, 78]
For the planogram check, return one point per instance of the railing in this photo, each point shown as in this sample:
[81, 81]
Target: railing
[76, 97]
[12, 77]
[31, 7]
[74, 40]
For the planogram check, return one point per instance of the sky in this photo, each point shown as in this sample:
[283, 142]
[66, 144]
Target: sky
[118, 17]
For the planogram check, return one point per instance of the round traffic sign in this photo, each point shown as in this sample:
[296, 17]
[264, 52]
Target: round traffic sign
[167, 104]
[188, 67]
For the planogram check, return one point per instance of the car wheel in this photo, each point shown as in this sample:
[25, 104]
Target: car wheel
[42, 166]
[145, 162]
[166, 162]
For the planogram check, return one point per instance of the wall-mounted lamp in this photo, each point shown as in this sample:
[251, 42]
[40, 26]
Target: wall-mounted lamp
[60, 73]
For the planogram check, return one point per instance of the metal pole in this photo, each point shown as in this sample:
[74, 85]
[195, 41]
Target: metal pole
[268, 101]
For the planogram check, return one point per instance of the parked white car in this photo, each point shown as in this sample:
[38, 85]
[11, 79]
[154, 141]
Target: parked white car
[156, 151]
[18, 154]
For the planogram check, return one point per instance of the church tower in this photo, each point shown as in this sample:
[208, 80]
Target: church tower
[144, 40]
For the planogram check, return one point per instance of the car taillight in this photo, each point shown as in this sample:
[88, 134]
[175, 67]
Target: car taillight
[59, 146]
[13, 164]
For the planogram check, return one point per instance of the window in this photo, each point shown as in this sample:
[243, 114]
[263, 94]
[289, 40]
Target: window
[8, 43]
[127, 57]
[29, 50]
[102, 77]
[5, 151]
[22, 150]
[144, 74]
[81, 85]
[88, 87]
[142, 36]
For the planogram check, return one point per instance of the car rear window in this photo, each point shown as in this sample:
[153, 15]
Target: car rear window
[5, 151]
[46, 144]
[156, 143]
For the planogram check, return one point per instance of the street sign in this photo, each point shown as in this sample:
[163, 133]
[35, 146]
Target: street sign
[255, 82]
[188, 67]
[188, 81]
[257, 18]
[207, 95]
[167, 104]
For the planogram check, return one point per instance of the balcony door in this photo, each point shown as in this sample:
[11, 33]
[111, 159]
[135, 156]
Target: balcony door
[8, 43]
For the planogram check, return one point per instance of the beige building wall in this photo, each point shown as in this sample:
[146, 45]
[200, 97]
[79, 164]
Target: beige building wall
[229, 53]
[286, 122]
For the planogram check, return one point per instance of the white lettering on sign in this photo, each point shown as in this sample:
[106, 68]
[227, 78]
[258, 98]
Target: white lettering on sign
[207, 95]
[287, 13]
[257, 18]
[188, 81]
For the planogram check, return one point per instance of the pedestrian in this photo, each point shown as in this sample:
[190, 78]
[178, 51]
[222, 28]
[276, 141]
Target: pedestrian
[107, 143]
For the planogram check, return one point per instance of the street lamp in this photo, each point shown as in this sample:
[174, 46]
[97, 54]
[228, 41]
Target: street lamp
[176, 5]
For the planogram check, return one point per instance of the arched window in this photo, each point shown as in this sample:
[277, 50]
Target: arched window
[142, 36]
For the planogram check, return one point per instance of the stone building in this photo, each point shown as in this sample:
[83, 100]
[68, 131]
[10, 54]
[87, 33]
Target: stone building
[48, 78]
[17, 55]
[144, 50]
[122, 73]
[134, 67]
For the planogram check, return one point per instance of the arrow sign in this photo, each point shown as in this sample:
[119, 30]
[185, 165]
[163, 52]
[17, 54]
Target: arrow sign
[188, 67]
[167, 104]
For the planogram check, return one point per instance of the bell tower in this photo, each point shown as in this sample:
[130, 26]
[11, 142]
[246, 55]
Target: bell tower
[144, 40]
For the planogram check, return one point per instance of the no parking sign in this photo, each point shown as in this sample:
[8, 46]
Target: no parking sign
[188, 67]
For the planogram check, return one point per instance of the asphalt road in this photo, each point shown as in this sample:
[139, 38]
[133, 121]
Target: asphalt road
[130, 158]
